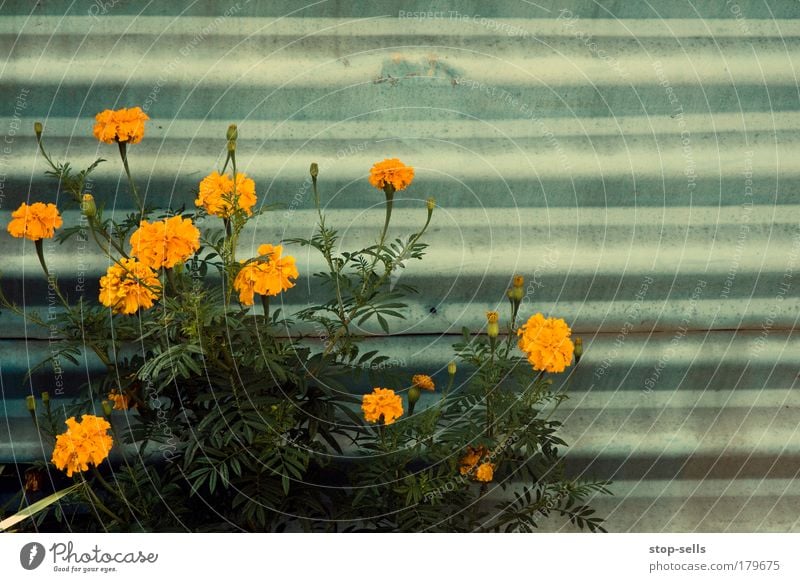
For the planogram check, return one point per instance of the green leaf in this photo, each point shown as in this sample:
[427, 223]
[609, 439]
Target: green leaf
[35, 508]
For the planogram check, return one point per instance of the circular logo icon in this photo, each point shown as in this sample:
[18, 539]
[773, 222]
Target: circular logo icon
[31, 555]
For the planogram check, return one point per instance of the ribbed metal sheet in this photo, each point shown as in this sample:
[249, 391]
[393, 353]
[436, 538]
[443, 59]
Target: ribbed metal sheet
[637, 162]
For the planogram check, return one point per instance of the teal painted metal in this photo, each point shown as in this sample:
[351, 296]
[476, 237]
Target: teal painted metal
[635, 162]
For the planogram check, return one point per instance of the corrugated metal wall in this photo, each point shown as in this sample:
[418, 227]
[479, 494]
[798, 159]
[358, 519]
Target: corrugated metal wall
[636, 161]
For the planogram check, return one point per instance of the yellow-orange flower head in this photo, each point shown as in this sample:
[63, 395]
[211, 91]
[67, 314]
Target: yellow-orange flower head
[120, 400]
[382, 403]
[84, 443]
[35, 222]
[165, 243]
[269, 274]
[423, 381]
[547, 343]
[123, 125]
[217, 197]
[393, 172]
[128, 286]
[485, 473]
[472, 457]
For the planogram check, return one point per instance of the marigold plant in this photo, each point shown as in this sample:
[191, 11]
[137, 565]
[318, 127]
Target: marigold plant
[281, 418]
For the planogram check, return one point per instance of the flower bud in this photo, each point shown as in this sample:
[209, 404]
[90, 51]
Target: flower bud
[492, 327]
[413, 397]
[516, 293]
[30, 402]
[88, 207]
[46, 398]
[37, 128]
[107, 407]
[314, 170]
[451, 368]
[519, 280]
[233, 132]
[231, 146]
[431, 203]
[578, 349]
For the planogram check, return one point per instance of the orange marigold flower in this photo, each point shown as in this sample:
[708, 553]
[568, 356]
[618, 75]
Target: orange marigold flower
[122, 125]
[84, 443]
[423, 381]
[120, 400]
[546, 342]
[129, 285]
[35, 222]
[492, 316]
[265, 277]
[165, 243]
[485, 473]
[472, 457]
[382, 405]
[393, 172]
[216, 194]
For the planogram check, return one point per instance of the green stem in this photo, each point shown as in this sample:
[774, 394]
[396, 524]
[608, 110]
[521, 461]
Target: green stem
[171, 281]
[265, 305]
[95, 228]
[123, 152]
[51, 281]
[95, 500]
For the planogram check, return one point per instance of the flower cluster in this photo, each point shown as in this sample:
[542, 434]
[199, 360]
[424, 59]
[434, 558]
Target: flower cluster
[475, 463]
[165, 243]
[123, 125]
[216, 194]
[128, 286]
[546, 342]
[267, 274]
[35, 222]
[391, 172]
[84, 443]
[382, 405]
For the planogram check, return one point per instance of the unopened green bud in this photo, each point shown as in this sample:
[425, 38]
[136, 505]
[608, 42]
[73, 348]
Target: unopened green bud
[314, 170]
[231, 146]
[492, 326]
[233, 132]
[451, 368]
[46, 398]
[431, 204]
[30, 402]
[108, 408]
[88, 207]
[413, 397]
[37, 128]
[578, 349]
